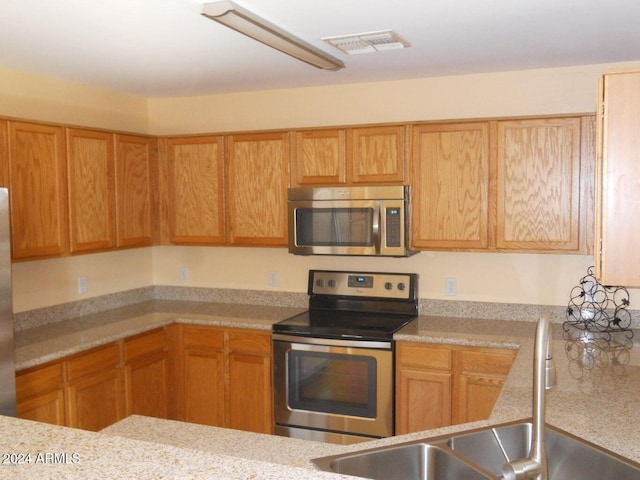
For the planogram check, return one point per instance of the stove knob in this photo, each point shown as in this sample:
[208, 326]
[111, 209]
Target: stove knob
[388, 286]
[401, 286]
[332, 283]
[320, 283]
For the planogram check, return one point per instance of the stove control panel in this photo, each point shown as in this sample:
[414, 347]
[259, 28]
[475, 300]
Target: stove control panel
[363, 284]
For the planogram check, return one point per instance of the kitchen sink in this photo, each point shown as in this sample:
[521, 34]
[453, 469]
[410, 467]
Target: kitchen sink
[480, 454]
[421, 461]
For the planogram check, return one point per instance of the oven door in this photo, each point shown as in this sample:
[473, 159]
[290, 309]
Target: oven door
[333, 386]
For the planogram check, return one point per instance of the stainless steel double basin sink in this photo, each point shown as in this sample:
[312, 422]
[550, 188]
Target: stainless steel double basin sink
[480, 454]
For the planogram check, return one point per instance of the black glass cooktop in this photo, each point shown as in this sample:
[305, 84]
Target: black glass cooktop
[343, 325]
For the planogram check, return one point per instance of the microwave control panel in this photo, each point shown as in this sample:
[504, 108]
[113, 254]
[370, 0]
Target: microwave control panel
[393, 223]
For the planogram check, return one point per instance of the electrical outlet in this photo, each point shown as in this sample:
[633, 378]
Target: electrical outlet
[184, 274]
[273, 279]
[450, 287]
[82, 284]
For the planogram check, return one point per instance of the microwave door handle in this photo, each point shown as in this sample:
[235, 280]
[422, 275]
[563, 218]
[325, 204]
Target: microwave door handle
[377, 229]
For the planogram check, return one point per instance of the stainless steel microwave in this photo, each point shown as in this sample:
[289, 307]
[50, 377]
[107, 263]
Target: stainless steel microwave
[372, 220]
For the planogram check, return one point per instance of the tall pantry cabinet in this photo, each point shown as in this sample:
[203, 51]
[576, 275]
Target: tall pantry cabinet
[618, 181]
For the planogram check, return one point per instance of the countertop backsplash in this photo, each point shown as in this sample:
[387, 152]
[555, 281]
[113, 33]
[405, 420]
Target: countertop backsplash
[446, 308]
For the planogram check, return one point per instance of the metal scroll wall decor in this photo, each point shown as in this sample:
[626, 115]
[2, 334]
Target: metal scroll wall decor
[598, 308]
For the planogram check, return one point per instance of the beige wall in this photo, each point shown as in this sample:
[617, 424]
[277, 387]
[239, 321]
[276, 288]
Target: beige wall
[30, 97]
[512, 278]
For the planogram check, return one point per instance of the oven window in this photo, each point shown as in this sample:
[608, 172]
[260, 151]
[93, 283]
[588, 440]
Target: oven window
[327, 227]
[332, 383]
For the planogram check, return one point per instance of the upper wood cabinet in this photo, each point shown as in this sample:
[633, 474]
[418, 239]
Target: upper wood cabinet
[320, 158]
[376, 154]
[38, 190]
[538, 184]
[257, 174]
[618, 180]
[450, 173]
[511, 185]
[91, 179]
[134, 157]
[195, 177]
[364, 155]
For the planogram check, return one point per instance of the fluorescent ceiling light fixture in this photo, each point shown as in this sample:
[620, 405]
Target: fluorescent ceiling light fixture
[368, 42]
[244, 21]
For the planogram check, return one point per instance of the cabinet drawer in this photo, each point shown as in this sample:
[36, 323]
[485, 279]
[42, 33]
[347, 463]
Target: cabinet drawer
[104, 358]
[422, 356]
[249, 341]
[203, 337]
[497, 362]
[144, 344]
[35, 382]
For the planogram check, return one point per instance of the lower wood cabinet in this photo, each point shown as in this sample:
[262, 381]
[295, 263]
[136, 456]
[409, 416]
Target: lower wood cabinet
[147, 375]
[226, 378]
[40, 394]
[200, 374]
[94, 388]
[442, 385]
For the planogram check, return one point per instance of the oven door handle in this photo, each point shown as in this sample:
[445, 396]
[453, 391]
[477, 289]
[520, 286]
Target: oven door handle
[380, 345]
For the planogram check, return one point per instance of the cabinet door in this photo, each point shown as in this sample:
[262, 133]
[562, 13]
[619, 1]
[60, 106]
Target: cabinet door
[94, 389]
[133, 190]
[37, 168]
[538, 184]
[250, 385]
[376, 154]
[40, 394]
[451, 181]
[320, 158]
[203, 376]
[91, 190]
[196, 193]
[423, 387]
[257, 189]
[480, 376]
[146, 375]
[618, 183]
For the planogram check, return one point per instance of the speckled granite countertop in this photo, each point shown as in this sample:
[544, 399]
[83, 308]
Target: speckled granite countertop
[596, 398]
[39, 345]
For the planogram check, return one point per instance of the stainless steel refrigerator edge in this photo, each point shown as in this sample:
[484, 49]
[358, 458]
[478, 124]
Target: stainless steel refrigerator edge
[7, 365]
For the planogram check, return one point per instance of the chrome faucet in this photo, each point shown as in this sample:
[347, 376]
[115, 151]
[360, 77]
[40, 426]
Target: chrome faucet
[544, 377]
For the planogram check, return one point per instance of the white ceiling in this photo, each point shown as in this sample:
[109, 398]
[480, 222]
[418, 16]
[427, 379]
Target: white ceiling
[157, 48]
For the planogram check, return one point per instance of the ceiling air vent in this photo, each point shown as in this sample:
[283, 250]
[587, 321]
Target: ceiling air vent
[368, 42]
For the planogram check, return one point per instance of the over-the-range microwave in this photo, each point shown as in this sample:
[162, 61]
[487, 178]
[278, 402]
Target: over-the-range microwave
[363, 220]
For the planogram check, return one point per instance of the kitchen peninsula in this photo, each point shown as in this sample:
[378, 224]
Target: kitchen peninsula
[595, 401]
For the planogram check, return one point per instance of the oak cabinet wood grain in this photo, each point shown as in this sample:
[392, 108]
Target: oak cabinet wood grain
[442, 385]
[522, 185]
[618, 182]
[451, 178]
[134, 158]
[226, 378]
[147, 375]
[196, 190]
[91, 180]
[94, 388]
[40, 394]
[423, 387]
[538, 184]
[350, 156]
[38, 190]
[257, 182]
[479, 375]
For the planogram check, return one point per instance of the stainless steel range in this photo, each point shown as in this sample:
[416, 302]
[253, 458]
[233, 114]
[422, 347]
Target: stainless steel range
[334, 364]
